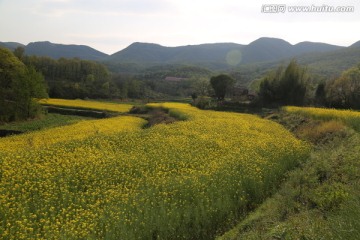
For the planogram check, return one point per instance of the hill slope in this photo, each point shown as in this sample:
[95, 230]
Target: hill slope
[11, 45]
[149, 54]
[356, 44]
[252, 59]
[218, 54]
[60, 50]
[327, 64]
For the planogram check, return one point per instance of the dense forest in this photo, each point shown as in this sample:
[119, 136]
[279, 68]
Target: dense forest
[74, 78]
[77, 78]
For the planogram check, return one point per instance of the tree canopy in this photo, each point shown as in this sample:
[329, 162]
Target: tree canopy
[19, 85]
[74, 78]
[285, 86]
[221, 85]
[345, 91]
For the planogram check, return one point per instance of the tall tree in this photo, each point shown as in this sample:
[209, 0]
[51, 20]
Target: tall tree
[221, 85]
[19, 86]
[320, 94]
[345, 90]
[285, 86]
[19, 53]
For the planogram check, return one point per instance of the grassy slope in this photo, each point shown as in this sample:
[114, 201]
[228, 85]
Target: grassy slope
[319, 200]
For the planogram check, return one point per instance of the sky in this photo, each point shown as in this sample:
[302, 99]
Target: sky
[111, 25]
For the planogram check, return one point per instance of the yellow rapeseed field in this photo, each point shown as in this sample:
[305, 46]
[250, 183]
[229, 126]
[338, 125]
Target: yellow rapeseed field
[349, 117]
[86, 104]
[77, 131]
[183, 180]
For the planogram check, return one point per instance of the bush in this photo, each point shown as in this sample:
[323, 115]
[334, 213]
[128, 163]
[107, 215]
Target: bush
[203, 103]
[320, 132]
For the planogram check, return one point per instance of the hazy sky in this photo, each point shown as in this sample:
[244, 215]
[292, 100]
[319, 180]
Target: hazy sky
[111, 25]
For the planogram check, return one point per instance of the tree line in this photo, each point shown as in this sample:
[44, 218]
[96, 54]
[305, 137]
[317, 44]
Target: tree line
[76, 78]
[294, 86]
[291, 85]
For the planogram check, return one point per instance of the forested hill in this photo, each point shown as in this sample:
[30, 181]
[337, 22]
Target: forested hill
[11, 45]
[251, 60]
[218, 55]
[54, 50]
[326, 65]
[213, 56]
[67, 51]
[357, 44]
[151, 54]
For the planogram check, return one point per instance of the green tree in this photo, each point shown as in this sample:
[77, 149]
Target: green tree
[201, 86]
[320, 94]
[19, 85]
[73, 78]
[19, 53]
[285, 86]
[221, 85]
[345, 90]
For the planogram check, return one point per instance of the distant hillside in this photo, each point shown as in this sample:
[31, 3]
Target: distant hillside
[149, 54]
[60, 50]
[357, 44]
[11, 45]
[306, 47]
[53, 50]
[247, 61]
[332, 63]
[326, 65]
[266, 49]
[217, 55]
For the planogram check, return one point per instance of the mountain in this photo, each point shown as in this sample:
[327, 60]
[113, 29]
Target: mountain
[260, 54]
[357, 44]
[306, 47]
[216, 55]
[56, 51]
[331, 64]
[272, 49]
[150, 54]
[326, 65]
[266, 49]
[11, 45]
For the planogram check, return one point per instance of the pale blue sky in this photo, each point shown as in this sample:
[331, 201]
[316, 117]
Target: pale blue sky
[111, 25]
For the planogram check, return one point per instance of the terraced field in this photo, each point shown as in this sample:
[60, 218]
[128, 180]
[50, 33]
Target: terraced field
[112, 179]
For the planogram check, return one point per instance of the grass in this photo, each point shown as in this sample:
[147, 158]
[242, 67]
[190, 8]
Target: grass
[45, 121]
[321, 198]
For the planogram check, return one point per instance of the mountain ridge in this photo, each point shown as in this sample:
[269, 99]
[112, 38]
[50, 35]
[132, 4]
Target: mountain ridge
[216, 56]
[261, 50]
[55, 50]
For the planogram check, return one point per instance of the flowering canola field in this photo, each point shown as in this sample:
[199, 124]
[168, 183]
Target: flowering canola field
[85, 104]
[184, 180]
[349, 117]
